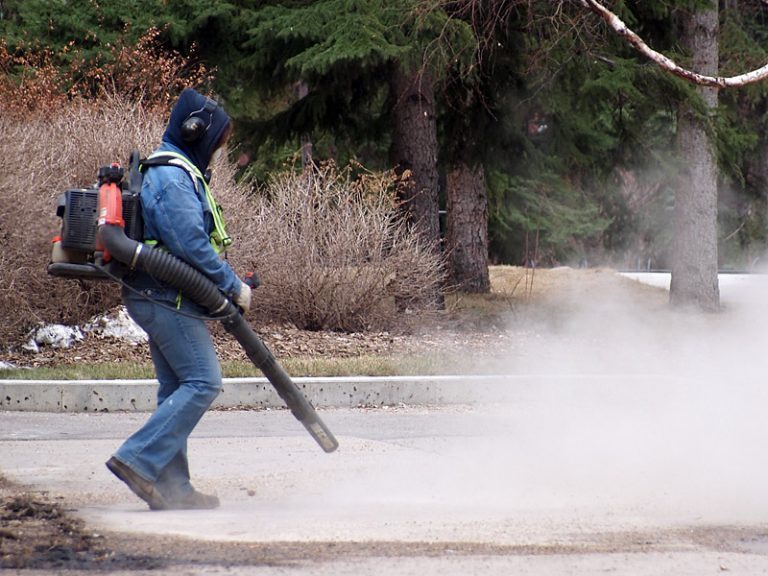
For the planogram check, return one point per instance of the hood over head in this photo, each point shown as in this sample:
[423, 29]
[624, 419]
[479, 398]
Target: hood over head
[192, 103]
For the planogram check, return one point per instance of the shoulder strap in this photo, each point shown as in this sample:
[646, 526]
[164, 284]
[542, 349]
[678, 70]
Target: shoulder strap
[173, 159]
[219, 237]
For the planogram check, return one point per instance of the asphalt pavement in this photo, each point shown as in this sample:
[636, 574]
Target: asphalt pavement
[582, 485]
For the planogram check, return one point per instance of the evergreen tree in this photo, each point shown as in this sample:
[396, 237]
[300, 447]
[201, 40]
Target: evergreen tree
[742, 140]
[695, 253]
[554, 121]
[80, 25]
[363, 64]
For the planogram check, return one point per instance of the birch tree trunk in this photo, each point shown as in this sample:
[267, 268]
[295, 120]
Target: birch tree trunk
[694, 256]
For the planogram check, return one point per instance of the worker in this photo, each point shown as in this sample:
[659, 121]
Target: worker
[181, 216]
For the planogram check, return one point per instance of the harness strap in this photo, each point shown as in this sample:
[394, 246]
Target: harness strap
[219, 238]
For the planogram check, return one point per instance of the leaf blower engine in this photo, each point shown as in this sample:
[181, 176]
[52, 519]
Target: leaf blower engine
[101, 238]
[114, 200]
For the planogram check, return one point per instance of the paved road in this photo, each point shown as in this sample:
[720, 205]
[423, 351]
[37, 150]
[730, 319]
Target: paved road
[575, 483]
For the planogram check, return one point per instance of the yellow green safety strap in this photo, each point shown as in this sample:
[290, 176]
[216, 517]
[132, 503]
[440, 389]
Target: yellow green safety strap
[220, 240]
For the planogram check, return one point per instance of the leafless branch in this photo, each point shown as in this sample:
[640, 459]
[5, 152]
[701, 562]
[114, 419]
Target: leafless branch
[666, 63]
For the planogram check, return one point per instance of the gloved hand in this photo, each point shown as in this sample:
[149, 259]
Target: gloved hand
[243, 298]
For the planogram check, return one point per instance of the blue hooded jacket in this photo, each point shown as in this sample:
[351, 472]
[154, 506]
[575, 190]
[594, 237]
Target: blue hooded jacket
[177, 215]
[191, 102]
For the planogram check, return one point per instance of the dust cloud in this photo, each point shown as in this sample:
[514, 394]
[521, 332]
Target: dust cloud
[617, 409]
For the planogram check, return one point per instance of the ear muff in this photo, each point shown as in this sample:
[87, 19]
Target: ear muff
[194, 127]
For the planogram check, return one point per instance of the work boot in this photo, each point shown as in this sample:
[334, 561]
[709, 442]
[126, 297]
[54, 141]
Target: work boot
[193, 500]
[144, 489]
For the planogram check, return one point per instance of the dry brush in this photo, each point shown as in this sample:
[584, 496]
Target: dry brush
[329, 247]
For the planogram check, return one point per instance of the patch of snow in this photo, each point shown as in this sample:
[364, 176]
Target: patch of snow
[54, 335]
[7, 365]
[117, 324]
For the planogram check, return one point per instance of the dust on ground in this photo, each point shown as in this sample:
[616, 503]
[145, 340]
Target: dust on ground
[39, 534]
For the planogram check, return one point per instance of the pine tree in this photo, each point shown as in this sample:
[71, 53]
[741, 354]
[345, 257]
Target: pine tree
[549, 117]
[79, 25]
[695, 252]
[362, 62]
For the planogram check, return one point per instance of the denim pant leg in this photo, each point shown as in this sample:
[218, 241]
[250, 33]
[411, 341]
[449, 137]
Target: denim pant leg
[175, 477]
[184, 348]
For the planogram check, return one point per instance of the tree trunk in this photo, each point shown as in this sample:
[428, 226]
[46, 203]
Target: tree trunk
[694, 255]
[414, 149]
[466, 232]
[302, 90]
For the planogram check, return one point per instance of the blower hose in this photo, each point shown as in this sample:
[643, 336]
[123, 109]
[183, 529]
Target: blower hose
[177, 273]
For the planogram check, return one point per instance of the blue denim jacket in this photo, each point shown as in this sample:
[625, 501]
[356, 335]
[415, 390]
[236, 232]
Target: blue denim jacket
[180, 219]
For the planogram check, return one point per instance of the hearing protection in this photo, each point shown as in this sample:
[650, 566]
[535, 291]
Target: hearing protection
[194, 127]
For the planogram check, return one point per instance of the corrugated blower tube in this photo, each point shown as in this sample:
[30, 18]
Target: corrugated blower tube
[196, 286]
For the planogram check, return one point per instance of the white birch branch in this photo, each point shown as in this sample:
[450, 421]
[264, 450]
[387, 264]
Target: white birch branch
[666, 63]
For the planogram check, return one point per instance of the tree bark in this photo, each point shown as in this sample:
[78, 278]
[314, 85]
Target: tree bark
[694, 256]
[413, 151]
[467, 228]
[302, 90]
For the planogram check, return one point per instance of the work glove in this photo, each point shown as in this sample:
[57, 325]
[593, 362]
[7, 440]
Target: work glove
[243, 297]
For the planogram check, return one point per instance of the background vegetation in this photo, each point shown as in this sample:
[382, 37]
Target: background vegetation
[327, 243]
[574, 133]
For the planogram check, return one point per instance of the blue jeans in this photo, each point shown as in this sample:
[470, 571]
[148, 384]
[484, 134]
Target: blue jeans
[190, 379]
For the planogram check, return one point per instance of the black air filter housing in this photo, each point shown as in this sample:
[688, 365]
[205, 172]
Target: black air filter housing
[78, 209]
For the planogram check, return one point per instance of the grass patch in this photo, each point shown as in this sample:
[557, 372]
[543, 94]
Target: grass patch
[359, 366]
[105, 371]
[298, 367]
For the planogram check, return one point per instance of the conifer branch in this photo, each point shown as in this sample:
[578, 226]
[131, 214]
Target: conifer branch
[667, 63]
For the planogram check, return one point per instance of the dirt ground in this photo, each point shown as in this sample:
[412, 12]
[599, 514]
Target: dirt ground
[469, 324]
[38, 533]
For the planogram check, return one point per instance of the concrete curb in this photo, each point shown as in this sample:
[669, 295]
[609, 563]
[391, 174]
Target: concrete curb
[139, 395]
[330, 392]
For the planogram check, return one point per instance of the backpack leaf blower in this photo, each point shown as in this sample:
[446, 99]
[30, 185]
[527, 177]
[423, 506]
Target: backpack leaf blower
[102, 237]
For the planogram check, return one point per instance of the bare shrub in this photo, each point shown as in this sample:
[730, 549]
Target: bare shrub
[330, 248]
[145, 71]
[37, 80]
[332, 251]
[40, 157]
[30, 82]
